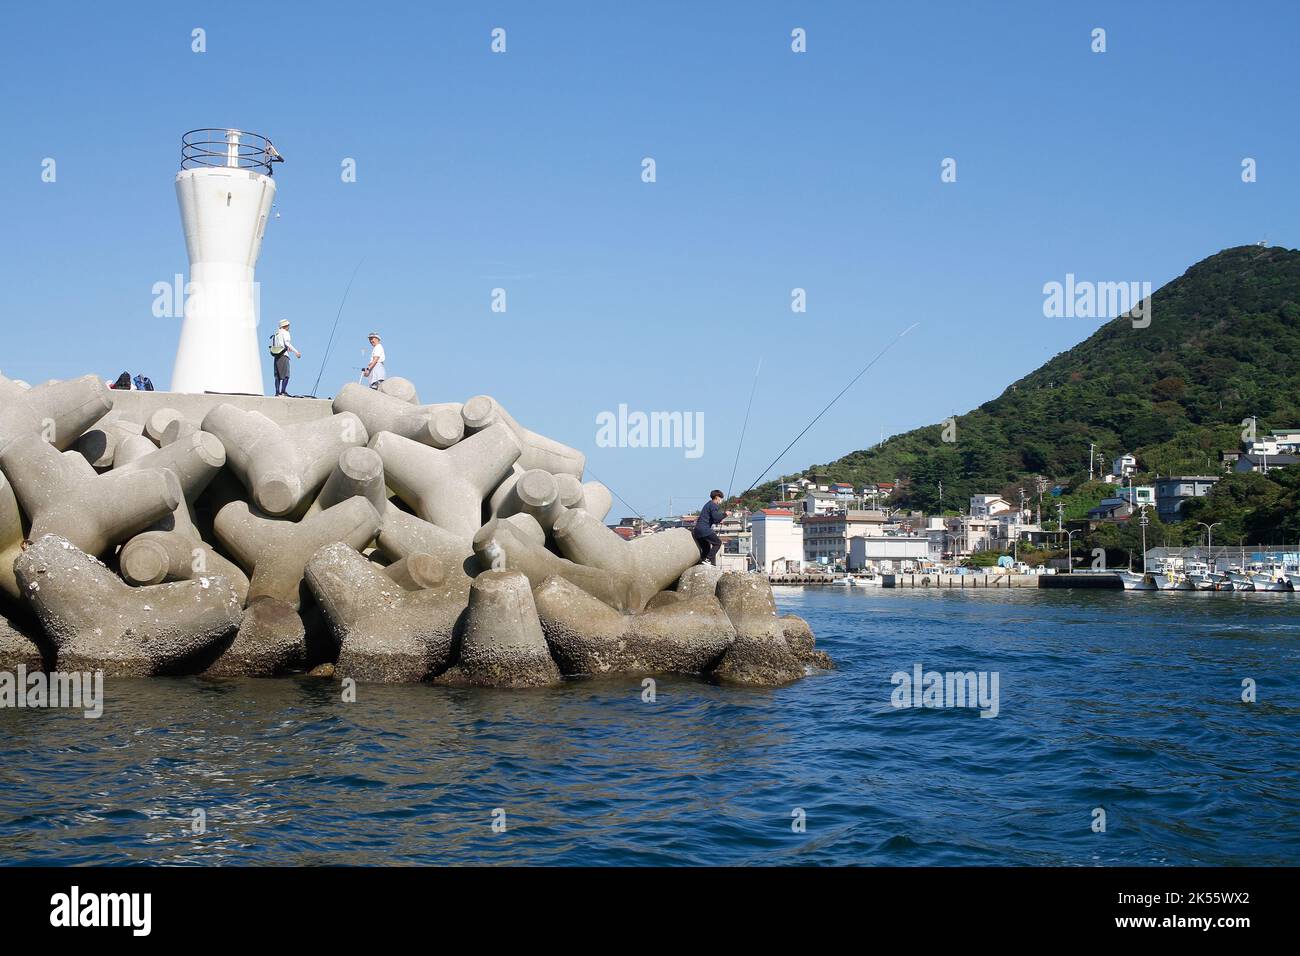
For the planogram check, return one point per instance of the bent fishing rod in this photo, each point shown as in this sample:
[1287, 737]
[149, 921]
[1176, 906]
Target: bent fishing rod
[329, 345]
[745, 427]
[865, 368]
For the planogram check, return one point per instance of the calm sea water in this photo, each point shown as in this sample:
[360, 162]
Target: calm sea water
[1126, 701]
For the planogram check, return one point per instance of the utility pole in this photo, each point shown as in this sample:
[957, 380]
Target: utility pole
[1090, 459]
[1142, 520]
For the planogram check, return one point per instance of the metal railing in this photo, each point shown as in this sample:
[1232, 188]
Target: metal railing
[228, 148]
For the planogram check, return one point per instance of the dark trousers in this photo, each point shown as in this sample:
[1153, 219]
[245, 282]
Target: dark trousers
[709, 546]
[282, 374]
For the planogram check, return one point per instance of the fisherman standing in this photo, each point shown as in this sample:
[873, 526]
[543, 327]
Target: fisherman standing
[375, 372]
[706, 538]
[281, 346]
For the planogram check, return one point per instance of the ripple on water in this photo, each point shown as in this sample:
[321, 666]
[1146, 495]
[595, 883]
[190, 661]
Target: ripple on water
[1105, 701]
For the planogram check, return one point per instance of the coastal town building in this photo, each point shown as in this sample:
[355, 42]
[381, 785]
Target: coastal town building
[1125, 466]
[1263, 462]
[777, 541]
[887, 552]
[826, 537]
[1173, 493]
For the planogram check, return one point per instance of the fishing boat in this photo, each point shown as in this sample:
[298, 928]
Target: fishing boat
[1241, 579]
[1137, 580]
[1269, 578]
[1201, 577]
[1171, 580]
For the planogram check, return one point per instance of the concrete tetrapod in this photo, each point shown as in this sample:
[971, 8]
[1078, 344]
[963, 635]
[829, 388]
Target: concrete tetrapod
[94, 512]
[534, 492]
[99, 444]
[159, 422]
[400, 388]
[402, 535]
[11, 537]
[282, 466]
[195, 460]
[274, 553]
[97, 622]
[271, 640]
[359, 471]
[688, 636]
[438, 426]
[58, 412]
[447, 488]
[18, 650]
[385, 633]
[760, 654]
[157, 556]
[419, 572]
[499, 547]
[653, 561]
[132, 448]
[699, 579]
[538, 451]
[502, 644]
[596, 500]
[799, 635]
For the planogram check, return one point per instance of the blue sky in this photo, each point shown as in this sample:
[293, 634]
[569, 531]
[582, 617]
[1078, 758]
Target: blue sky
[522, 170]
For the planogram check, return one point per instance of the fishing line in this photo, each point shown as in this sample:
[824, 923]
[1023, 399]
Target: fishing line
[329, 345]
[616, 495]
[745, 427]
[878, 357]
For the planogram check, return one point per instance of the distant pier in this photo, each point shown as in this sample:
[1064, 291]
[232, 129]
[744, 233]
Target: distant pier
[921, 579]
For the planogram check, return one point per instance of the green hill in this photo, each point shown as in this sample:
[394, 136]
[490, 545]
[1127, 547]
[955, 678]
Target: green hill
[1223, 345]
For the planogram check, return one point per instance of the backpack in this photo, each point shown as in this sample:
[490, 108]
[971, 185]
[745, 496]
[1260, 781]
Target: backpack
[274, 350]
[143, 383]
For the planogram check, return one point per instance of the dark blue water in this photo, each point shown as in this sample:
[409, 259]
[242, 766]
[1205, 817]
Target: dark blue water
[1121, 700]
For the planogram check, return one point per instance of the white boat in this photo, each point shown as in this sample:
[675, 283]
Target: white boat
[1201, 577]
[1136, 581]
[1241, 580]
[1171, 581]
[1222, 582]
[1269, 578]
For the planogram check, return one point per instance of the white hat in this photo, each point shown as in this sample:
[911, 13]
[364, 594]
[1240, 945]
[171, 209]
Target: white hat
[284, 323]
[373, 335]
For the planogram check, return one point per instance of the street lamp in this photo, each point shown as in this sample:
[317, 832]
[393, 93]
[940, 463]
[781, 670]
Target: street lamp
[1069, 535]
[1209, 541]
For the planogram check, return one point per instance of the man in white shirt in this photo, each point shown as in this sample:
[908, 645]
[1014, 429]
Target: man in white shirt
[281, 346]
[375, 372]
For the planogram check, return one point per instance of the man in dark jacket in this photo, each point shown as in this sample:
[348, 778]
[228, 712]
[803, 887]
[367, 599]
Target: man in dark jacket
[705, 537]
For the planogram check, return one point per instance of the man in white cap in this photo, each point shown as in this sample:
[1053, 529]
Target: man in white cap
[375, 372]
[281, 346]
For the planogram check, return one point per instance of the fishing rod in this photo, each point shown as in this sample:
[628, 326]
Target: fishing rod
[879, 356]
[745, 427]
[329, 345]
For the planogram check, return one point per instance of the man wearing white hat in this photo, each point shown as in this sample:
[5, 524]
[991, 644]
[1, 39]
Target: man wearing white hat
[375, 372]
[281, 346]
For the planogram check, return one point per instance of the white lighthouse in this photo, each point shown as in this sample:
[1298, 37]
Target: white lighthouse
[225, 191]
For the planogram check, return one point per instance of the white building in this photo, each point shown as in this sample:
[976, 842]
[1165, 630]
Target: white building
[1123, 466]
[887, 552]
[986, 506]
[777, 541]
[826, 537]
